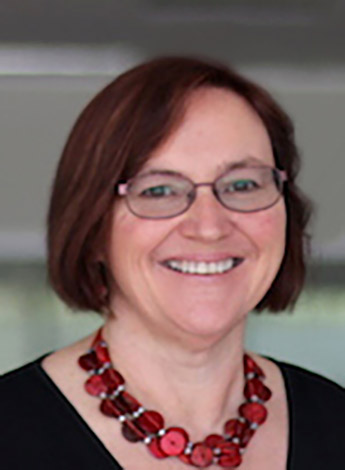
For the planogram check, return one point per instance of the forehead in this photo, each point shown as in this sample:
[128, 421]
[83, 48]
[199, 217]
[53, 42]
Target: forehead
[219, 129]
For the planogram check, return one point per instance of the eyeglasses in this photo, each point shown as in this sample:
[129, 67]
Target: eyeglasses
[165, 194]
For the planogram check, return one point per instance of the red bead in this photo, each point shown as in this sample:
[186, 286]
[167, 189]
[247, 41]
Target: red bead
[185, 458]
[256, 387]
[95, 385]
[112, 379]
[214, 440]
[102, 353]
[234, 428]
[131, 403]
[253, 412]
[202, 455]
[89, 361]
[230, 455]
[155, 449]
[150, 421]
[98, 337]
[126, 403]
[229, 448]
[131, 432]
[174, 441]
[251, 366]
[109, 408]
[246, 437]
[228, 461]
[265, 393]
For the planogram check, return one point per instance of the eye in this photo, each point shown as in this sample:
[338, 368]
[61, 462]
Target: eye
[158, 191]
[243, 185]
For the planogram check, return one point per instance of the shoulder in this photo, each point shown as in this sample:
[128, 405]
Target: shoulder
[24, 394]
[25, 379]
[311, 396]
[36, 385]
[35, 416]
[302, 383]
[316, 418]
[25, 409]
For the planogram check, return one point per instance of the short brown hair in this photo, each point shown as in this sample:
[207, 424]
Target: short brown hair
[110, 142]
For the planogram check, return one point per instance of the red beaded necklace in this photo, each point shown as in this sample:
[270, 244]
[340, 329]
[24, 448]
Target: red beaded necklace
[147, 426]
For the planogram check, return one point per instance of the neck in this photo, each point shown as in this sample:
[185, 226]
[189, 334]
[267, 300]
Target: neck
[196, 383]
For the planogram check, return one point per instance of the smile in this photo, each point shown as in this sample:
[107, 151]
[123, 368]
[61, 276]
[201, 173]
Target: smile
[203, 267]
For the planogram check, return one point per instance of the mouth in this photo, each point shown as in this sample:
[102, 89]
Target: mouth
[203, 268]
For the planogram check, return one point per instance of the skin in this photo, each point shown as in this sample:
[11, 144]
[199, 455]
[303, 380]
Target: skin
[219, 129]
[178, 338]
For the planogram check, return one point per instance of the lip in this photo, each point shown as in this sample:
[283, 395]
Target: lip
[205, 277]
[207, 257]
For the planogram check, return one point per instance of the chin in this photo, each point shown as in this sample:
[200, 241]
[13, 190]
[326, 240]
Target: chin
[208, 322]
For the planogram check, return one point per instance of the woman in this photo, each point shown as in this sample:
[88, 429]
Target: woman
[174, 213]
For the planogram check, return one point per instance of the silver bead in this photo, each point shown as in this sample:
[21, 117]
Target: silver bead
[189, 448]
[138, 412]
[119, 389]
[254, 426]
[161, 432]
[147, 440]
[122, 418]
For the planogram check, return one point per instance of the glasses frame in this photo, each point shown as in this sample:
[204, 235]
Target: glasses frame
[122, 190]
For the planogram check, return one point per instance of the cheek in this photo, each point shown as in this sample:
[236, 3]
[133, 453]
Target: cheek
[128, 244]
[133, 239]
[269, 233]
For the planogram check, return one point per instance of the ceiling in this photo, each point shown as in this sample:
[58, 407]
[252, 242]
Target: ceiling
[295, 31]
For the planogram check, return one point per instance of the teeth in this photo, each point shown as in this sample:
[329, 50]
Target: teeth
[213, 268]
[202, 267]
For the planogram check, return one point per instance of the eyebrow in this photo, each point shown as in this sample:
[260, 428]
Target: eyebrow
[250, 160]
[158, 171]
[222, 168]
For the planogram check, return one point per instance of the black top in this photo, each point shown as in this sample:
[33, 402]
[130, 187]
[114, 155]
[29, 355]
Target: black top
[41, 430]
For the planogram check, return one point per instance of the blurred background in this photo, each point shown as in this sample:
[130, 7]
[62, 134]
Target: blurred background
[54, 56]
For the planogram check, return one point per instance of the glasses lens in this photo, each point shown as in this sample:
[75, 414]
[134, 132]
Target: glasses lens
[249, 189]
[158, 195]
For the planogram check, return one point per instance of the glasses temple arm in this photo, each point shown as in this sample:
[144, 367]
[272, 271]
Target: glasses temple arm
[283, 175]
[121, 189]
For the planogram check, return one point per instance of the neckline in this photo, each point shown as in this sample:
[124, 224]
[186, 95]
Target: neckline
[86, 429]
[112, 460]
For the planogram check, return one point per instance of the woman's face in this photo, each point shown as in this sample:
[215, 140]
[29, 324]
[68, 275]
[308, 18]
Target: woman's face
[219, 128]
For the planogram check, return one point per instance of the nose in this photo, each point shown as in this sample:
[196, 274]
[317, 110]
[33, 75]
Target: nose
[206, 219]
